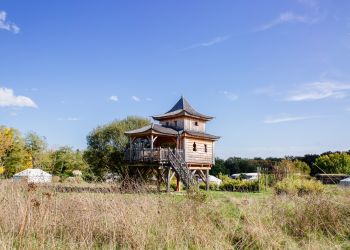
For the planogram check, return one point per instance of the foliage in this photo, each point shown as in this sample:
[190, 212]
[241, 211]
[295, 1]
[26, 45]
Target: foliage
[337, 163]
[239, 185]
[14, 157]
[106, 146]
[65, 160]
[219, 167]
[298, 186]
[212, 186]
[36, 147]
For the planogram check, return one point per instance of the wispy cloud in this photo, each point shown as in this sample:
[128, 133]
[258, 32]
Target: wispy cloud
[7, 25]
[149, 99]
[70, 119]
[318, 91]
[286, 17]
[113, 98]
[216, 40]
[313, 4]
[136, 98]
[286, 118]
[230, 95]
[9, 99]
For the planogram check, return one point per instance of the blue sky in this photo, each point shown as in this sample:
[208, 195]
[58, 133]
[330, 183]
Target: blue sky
[275, 74]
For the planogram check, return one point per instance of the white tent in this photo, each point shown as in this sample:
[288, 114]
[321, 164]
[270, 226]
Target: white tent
[212, 178]
[345, 182]
[33, 175]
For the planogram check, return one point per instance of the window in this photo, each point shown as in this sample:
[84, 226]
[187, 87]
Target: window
[175, 122]
[195, 123]
[194, 146]
[167, 124]
[205, 148]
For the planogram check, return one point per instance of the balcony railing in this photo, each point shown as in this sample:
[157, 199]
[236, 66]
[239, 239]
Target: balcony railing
[148, 155]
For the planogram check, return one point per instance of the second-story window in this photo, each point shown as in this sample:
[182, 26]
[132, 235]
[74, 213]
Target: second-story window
[194, 146]
[195, 123]
[175, 123]
[167, 124]
[205, 148]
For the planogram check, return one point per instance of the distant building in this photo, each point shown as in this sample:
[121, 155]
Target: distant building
[33, 175]
[179, 143]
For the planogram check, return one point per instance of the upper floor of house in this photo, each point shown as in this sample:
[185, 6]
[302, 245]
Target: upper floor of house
[183, 117]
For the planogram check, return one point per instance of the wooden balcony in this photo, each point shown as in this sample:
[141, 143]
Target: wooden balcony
[148, 155]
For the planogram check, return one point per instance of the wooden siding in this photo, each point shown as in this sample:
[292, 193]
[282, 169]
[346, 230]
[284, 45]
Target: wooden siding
[171, 123]
[185, 123]
[190, 125]
[199, 156]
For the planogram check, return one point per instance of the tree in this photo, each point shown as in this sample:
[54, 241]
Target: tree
[15, 158]
[36, 147]
[6, 142]
[65, 160]
[219, 167]
[336, 163]
[106, 145]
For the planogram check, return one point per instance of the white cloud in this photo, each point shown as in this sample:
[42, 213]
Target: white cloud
[286, 17]
[135, 98]
[319, 90]
[7, 25]
[114, 98]
[209, 43]
[286, 118]
[8, 99]
[230, 96]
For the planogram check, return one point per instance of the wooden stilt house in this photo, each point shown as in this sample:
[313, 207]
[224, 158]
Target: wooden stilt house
[178, 146]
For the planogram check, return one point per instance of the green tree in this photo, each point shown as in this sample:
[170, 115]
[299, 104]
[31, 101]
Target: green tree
[15, 158]
[36, 147]
[219, 167]
[65, 160]
[337, 163]
[106, 145]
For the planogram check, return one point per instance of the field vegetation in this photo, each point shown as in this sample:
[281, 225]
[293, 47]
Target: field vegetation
[35, 217]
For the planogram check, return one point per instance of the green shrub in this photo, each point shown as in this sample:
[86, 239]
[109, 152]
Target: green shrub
[298, 186]
[239, 185]
[173, 185]
[212, 186]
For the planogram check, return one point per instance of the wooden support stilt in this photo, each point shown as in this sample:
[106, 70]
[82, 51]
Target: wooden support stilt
[177, 183]
[159, 179]
[207, 179]
[168, 179]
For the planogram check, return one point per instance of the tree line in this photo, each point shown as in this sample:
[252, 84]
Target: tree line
[327, 162]
[106, 145]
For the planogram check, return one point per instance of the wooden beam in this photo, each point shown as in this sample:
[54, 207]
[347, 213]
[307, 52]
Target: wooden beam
[207, 179]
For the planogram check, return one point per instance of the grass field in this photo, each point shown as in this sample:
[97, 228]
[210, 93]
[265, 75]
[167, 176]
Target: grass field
[38, 218]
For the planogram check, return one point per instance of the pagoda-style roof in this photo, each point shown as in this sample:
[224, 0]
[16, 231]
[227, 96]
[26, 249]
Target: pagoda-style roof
[156, 129]
[201, 135]
[182, 108]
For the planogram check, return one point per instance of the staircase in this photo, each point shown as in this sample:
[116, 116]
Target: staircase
[179, 165]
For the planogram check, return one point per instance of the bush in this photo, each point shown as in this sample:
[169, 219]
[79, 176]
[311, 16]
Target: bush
[239, 185]
[298, 186]
[173, 185]
[212, 186]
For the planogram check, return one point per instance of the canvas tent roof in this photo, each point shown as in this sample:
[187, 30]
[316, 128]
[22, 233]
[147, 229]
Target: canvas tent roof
[32, 172]
[345, 182]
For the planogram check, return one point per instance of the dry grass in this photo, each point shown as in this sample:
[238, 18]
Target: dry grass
[35, 218]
